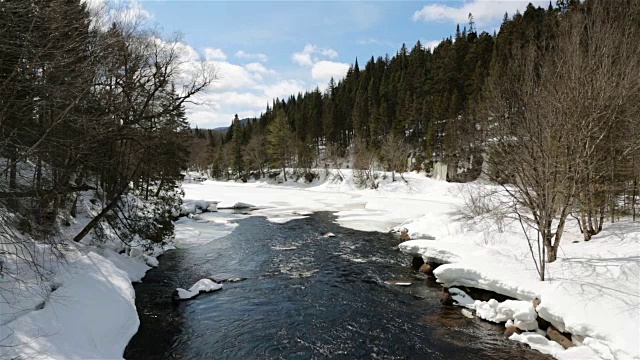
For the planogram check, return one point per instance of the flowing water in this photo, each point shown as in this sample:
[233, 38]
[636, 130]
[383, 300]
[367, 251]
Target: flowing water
[305, 296]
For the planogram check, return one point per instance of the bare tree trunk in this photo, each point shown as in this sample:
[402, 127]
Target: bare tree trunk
[633, 198]
[112, 204]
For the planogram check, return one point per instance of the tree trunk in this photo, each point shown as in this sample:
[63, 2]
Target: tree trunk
[159, 186]
[74, 207]
[551, 249]
[13, 169]
[97, 218]
[633, 197]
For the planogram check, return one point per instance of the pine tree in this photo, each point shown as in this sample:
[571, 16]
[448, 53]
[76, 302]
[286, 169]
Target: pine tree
[280, 142]
[237, 132]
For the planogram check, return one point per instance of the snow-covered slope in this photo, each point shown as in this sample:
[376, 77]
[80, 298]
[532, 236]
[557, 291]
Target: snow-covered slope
[84, 308]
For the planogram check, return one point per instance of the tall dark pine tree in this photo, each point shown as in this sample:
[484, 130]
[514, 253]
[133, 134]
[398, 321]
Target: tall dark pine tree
[237, 141]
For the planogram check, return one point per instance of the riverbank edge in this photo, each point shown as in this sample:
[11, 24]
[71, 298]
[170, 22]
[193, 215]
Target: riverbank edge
[435, 261]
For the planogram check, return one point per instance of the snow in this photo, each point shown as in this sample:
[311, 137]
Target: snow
[241, 205]
[85, 306]
[590, 290]
[134, 266]
[520, 314]
[202, 285]
[91, 315]
[212, 225]
[538, 342]
[546, 346]
[190, 207]
[461, 298]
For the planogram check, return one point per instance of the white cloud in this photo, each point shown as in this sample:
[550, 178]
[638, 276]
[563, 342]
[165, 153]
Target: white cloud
[214, 54]
[485, 12]
[258, 68]
[231, 76]
[309, 55]
[325, 70]
[106, 12]
[244, 55]
[206, 118]
[302, 59]
[282, 89]
[431, 44]
[244, 99]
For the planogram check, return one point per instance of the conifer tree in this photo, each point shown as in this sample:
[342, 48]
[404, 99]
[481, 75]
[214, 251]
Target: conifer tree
[280, 142]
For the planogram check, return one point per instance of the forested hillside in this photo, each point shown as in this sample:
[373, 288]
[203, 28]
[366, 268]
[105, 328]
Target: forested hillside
[431, 103]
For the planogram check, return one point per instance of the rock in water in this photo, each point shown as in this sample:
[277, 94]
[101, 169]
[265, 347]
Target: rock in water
[510, 330]
[416, 262]
[329, 234]
[426, 269]
[557, 336]
[447, 299]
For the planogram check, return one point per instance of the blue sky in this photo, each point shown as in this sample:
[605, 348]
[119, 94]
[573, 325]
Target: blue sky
[266, 49]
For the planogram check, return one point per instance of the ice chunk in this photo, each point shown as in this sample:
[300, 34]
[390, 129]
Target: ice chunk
[538, 342]
[521, 313]
[461, 297]
[203, 285]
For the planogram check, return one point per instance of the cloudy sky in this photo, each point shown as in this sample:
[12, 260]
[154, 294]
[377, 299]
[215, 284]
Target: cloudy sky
[268, 49]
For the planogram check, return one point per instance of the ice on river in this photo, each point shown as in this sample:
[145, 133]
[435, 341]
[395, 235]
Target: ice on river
[203, 285]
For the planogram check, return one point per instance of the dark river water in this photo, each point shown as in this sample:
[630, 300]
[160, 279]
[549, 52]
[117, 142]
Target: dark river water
[305, 296]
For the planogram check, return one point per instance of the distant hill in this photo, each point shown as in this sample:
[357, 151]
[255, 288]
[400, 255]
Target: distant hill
[226, 128]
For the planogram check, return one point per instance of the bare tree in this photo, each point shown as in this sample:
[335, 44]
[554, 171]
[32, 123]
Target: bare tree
[393, 154]
[363, 164]
[555, 117]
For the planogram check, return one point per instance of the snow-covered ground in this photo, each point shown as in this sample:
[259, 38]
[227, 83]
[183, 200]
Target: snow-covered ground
[592, 290]
[85, 306]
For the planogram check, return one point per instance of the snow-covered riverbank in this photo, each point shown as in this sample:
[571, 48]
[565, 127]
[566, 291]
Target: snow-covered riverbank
[84, 307]
[592, 290]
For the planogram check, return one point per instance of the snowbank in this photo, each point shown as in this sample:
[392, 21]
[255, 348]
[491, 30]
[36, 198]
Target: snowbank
[92, 314]
[85, 306]
[189, 207]
[590, 291]
[520, 314]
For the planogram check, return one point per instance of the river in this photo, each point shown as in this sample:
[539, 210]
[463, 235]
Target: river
[305, 296]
